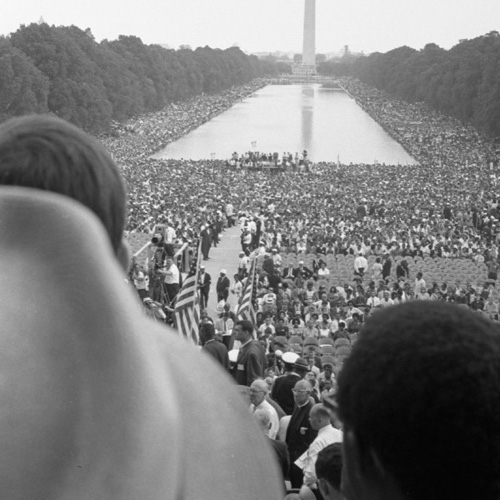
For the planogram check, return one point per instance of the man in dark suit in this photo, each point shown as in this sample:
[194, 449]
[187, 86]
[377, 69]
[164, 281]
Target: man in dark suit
[302, 271]
[206, 241]
[204, 282]
[284, 385]
[212, 346]
[299, 434]
[251, 362]
[222, 287]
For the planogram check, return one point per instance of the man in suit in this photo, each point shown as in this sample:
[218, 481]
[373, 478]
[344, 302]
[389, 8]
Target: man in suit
[222, 287]
[299, 434]
[204, 282]
[302, 271]
[212, 346]
[251, 362]
[206, 241]
[284, 385]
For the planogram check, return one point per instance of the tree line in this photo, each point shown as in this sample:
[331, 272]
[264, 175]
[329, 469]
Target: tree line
[64, 71]
[462, 82]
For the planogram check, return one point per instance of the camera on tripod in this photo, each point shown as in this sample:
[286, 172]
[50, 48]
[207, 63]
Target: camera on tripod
[159, 232]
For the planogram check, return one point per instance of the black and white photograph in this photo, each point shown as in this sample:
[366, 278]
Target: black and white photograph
[250, 249]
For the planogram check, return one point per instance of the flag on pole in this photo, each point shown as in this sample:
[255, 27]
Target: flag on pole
[246, 310]
[187, 306]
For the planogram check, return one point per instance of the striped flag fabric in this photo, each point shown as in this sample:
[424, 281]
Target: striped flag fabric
[187, 306]
[246, 310]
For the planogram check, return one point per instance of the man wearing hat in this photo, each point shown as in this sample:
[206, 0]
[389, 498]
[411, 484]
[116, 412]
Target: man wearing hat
[282, 388]
[204, 282]
[222, 287]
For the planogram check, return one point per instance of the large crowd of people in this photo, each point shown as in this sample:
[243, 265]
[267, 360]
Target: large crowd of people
[334, 242]
[328, 247]
[444, 208]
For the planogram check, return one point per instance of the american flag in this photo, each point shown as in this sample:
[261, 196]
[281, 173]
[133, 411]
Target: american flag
[246, 308]
[187, 306]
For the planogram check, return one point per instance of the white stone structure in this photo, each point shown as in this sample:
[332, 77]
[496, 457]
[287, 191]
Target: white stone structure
[308, 66]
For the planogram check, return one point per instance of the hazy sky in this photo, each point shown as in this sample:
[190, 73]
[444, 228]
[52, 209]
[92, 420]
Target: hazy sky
[267, 25]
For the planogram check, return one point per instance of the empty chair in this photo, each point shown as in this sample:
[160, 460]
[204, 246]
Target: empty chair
[295, 339]
[326, 349]
[325, 341]
[310, 341]
[296, 348]
[341, 342]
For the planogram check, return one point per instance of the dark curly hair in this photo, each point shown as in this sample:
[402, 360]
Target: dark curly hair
[422, 388]
[329, 465]
[45, 152]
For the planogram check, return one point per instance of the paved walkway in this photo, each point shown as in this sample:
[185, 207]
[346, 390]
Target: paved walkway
[224, 256]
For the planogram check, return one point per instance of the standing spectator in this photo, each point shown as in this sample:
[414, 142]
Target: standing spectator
[320, 421]
[140, 280]
[258, 393]
[222, 287]
[264, 419]
[212, 346]
[224, 327]
[243, 265]
[420, 285]
[206, 241]
[377, 270]
[284, 384]
[237, 287]
[360, 264]
[251, 362]
[171, 280]
[204, 282]
[230, 214]
[402, 270]
[386, 267]
[299, 434]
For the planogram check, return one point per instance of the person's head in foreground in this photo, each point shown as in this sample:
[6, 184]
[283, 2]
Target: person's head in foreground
[419, 398]
[329, 472]
[47, 153]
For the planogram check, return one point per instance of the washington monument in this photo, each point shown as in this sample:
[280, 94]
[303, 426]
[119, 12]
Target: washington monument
[308, 66]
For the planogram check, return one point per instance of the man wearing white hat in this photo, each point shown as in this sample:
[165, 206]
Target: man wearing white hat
[282, 388]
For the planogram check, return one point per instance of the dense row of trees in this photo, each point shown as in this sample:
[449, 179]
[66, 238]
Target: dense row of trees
[463, 82]
[64, 70]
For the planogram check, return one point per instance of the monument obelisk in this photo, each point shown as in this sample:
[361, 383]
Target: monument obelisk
[308, 65]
